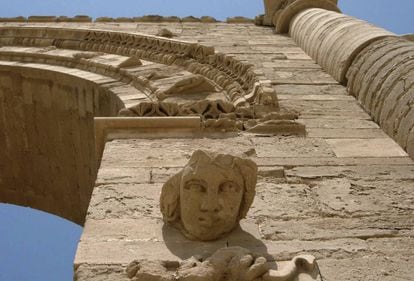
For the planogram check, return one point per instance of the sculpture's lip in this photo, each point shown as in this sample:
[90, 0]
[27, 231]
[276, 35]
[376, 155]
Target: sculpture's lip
[208, 221]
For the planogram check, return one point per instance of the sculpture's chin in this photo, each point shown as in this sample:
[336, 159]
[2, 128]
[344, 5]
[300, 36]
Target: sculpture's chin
[205, 234]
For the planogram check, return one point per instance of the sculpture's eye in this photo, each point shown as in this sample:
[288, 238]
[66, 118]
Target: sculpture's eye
[195, 186]
[229, 186]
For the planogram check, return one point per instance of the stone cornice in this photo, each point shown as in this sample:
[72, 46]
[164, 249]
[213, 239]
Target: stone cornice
[140, 19]
[236, 77]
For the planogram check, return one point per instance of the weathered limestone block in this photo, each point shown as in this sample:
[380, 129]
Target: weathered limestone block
[81, 18]
[13, 19]
[207, 19]
[171, 19]
[190, 19]
[223, 125]
[165, 33]
[192, 84]
[104, 19]
[42, 19]
[148, 18]
[78, 18]
[279, 128]
[124, 19]
[151, 270]
[239, 20]
[209, 197]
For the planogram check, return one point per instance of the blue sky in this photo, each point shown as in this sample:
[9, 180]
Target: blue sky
[35, 246]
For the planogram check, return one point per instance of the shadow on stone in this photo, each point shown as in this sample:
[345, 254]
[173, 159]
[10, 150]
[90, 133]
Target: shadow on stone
[184, 248]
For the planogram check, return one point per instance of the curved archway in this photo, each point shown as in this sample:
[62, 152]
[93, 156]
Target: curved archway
[237, 78]
[47, 138]
[47, 112]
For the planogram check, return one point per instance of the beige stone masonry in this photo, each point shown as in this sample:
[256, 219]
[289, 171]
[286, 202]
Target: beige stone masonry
[343, 193]
[46, 137]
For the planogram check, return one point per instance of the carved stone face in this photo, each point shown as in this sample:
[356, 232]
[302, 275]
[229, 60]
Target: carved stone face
[210, 200]
[210, 195]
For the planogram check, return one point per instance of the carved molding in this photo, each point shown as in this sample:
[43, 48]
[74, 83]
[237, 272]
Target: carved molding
[208, 109]
[83, 61]
[245, 97]
[237, 78]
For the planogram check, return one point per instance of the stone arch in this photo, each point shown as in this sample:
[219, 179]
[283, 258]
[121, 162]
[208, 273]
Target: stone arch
[46, 133]
[52, 164]
[238, 79]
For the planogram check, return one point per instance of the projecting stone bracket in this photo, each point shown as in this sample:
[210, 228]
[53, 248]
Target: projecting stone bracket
[107, 129]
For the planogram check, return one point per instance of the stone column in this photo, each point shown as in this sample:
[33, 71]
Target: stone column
[375, 64]
[332, 39]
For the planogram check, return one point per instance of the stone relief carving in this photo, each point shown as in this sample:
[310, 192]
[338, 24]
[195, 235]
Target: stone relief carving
[187, 86]
[229, 85]
[164, 32]
[226, 264]
[237, 78]
[208, 109]
[205, 201]
[210, 195]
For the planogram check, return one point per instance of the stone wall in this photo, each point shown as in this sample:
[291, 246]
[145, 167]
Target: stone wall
[342, 193]
[47, 139]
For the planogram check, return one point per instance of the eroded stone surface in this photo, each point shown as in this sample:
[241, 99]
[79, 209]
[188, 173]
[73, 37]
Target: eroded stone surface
[232, 264]
[329, 210]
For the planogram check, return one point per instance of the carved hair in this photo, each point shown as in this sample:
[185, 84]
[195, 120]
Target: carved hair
[170, 195]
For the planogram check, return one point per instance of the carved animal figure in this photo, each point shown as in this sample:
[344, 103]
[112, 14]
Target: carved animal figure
[226, 264]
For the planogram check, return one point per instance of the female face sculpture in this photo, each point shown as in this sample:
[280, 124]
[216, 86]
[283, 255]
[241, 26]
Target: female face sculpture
[210, 195]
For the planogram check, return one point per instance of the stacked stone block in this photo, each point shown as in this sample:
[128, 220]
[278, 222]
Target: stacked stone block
[47, 138]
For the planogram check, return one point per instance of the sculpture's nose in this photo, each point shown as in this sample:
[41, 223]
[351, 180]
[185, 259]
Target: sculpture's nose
[210, 203]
